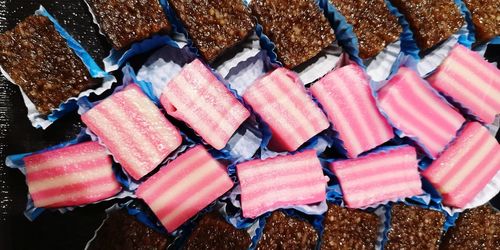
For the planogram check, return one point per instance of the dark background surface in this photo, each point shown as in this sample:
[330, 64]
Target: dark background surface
[51, 230]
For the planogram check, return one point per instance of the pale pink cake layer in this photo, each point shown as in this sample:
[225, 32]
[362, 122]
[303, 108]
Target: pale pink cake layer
[282, 101]
[466, 166]
[184, 187]
[134, 130]
[346, 97]
[419, 112]
[199, 99]
[281, 181]
[71, 176]
[379, 177]
[471, 81]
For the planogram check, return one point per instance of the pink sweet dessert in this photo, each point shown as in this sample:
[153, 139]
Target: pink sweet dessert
[281, 181]
[466, 166]
[71, 176]
[283, 103]
[184, 187]
[419, 112]
[199, 99]
[346, 97]
[471, 81]
[134, 130]
[378, 177]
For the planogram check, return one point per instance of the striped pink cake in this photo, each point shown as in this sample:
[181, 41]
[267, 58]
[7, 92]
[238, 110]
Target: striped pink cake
[71, 176]
[419, 112]
[134, 130]
[379, 177]
[184, 187]
[466, 166]
[346, 97]
[199, 99]
[284, 104]
[279, 182]
[470, 80]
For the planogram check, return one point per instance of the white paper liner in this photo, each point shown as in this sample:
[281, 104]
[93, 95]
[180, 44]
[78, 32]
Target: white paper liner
[158, 70]
[380, 67]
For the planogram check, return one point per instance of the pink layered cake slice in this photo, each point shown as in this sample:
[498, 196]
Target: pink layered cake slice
[134, 130]
[184, 187]
[71, 176]
[279, 182]
[199, 99]
[282, 102]
[346, 96]
[466, 166]
[471, 81]
[379, 177]
[419, 112]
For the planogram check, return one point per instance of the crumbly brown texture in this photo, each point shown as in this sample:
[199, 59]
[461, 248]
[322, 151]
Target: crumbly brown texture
[213, 232]
[214, 26]
[374, 25]
[349, 229]
[486, 18]
[126, 22]
[122, 231]
[414, 227]
[431, 21]
[285, 232]
[39, 60]
[477, 228]
[298, 28]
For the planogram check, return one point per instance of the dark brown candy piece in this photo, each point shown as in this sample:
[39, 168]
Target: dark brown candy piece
[39, 60]
[374, 25]
[347, 228]
[477, 228]
[486, 18]
[298, 28]
[214, 26]
[414, 227]
[126, 22]
[431, 21]
[285, 232]
[213, 232]
[122, 231]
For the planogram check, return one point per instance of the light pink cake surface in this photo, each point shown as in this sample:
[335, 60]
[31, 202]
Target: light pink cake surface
[420, 113]
[282, 102]
[281, 181]
[135, 131]
[466, 166]
[71, 176]
[198, 98]
[346, 97]
[184, 187]
[470, 80]
[379, 177]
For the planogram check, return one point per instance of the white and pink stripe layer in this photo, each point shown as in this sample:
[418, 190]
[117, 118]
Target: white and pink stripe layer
[135, 131]
[184, 187]
[379, 177]
[279, 182]
[346, 97]
[466, 166]
[199, 99]
[420, 113]
[471, 81]
[71, 176]
[284, 104]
